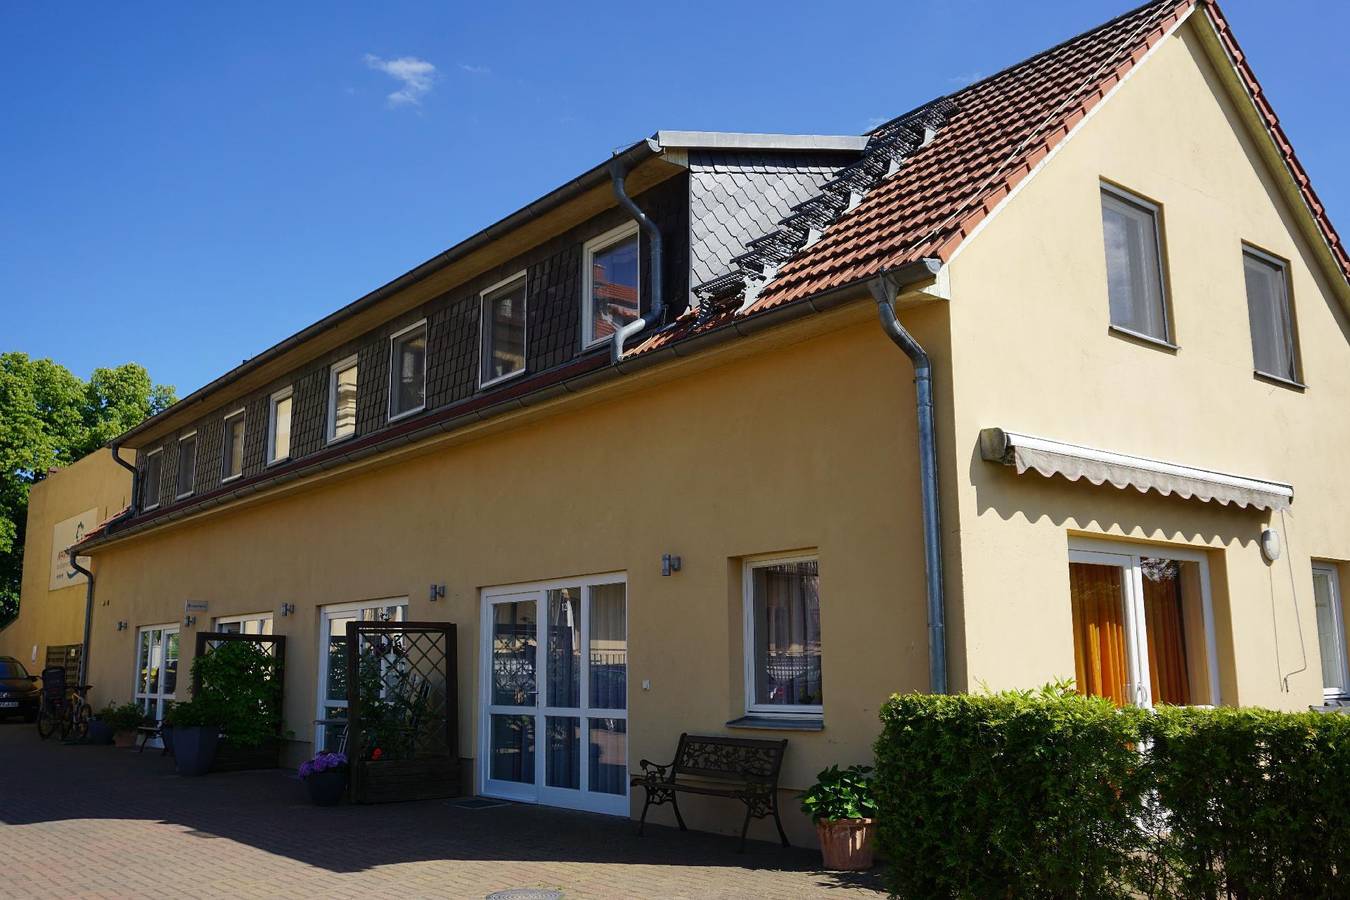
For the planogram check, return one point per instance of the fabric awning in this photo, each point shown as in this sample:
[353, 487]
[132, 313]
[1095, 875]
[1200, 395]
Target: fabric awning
[1049, 458]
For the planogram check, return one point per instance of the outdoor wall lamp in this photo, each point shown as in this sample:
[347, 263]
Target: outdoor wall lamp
[122, 625]
[670, 563]
[437, 592]
[189, 621]
[288, 609]
[1270, 544]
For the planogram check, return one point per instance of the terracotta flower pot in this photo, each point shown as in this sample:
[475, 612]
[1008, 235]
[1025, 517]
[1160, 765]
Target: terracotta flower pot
[124, 738]
[846, 844]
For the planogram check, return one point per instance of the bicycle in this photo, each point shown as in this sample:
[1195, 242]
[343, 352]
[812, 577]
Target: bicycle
[63, 708]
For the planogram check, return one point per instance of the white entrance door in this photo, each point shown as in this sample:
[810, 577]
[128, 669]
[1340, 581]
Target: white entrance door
[330, 724]
[554, 724]
[156, 668]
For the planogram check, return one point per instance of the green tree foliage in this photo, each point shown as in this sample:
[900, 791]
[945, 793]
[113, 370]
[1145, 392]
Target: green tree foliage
[50, 417]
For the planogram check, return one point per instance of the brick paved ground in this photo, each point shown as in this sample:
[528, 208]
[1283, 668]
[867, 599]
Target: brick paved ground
[99, 822]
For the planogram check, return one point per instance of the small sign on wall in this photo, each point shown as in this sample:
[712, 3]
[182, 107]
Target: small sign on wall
[64, 534]
[194, 606]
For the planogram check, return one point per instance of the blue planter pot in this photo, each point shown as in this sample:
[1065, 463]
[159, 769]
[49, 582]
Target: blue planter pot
[99, 732]
[326, 788]
[194, 748]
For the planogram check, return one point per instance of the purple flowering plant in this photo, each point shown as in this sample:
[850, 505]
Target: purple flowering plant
[322, 763]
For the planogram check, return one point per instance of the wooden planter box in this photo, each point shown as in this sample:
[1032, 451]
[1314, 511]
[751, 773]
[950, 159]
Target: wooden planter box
[393, 780]
[233, 758]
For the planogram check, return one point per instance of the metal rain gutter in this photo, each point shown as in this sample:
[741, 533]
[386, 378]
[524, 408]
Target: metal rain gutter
[618, 171]
[589, 372]
[885, 289]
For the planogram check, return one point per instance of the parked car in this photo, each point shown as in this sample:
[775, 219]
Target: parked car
[20, 693]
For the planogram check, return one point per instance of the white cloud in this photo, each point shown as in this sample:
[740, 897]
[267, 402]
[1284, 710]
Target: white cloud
[475, 70]
[416, 76]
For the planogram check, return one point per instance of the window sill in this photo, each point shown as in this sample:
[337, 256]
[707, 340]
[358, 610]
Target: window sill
[779, 723]
[278, 461]
[337, 439]
[493, 382]
[235, 477]
[394, 417]
[1280, 380]
[1132, 335]
[182, 496]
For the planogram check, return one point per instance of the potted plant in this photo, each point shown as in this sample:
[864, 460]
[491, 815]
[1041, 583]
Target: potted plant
[326, 777]
[166, 727]
[122, 721]
[242, 682]
[842, 805]
[196, 734]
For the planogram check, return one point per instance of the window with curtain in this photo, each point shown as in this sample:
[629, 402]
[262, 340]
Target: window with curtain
[1330, 630]
[1274, 351]
[342, 399]
[1134, 265]
[408, 371]
[1140, 628]
[783, 607]
[150, 480]
[232, 447]
[187, 464]
[279, 427]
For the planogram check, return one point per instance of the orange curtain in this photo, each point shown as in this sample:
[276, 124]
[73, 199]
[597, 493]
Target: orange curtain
[1168, 675]
[1099, 630]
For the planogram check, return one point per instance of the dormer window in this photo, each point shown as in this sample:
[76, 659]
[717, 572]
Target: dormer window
[408, 370]
[150, 480]
[503, 330]
[342, 399]
[279, 426]
[187, 464]
[609, 283]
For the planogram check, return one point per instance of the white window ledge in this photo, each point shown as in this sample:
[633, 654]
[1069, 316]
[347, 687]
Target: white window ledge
[779, 723]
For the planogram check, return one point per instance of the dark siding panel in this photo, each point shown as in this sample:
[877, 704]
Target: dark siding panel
[452, 349]
[209, 435]
[255, 435]
[372, 385]
[553, 314]
[309, 411]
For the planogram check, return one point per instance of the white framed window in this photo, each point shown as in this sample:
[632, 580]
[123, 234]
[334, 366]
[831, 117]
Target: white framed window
[330, 723]
[611, 283]
[187, 465]
[408, 370]
[1134, 265]
[782, 636]
[1274, 336]
[279, 425]
[253, 623]
[232, 446]
[501, 329]
[342, 399]
[1143, 624]
[150, 479]
[1331, 631]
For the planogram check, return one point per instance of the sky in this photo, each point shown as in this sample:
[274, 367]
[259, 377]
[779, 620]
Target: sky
[183, 185]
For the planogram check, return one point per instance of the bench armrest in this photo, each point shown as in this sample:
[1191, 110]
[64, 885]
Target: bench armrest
[655, 772]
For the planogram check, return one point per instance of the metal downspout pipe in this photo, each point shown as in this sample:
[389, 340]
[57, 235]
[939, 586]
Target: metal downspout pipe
[88, 616]
[884, 291]
[618, 170]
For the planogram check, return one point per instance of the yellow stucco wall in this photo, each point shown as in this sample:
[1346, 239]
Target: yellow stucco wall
[789, 449]
[54, 617]
[1033, 354]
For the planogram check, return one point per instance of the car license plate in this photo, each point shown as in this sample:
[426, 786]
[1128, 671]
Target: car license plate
[9, 704]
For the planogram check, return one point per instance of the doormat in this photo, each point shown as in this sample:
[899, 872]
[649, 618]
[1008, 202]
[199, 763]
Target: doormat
[475, 803]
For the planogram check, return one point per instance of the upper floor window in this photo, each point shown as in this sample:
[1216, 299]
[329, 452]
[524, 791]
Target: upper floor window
[610, 283]
[408, 370]
[187, 464]
[342, 399]
[232, 446]
[1274, 341]
[150, 480]
[1134, 276]
[1330, 630]
[782, 636]
[503, 330]
[279, 426]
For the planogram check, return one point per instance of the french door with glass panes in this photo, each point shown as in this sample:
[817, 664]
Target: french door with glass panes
[330, 727]
[156, 668]
[554, 726]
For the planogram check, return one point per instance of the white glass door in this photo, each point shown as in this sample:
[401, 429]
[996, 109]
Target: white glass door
[555, 710]
[330, 725]
[156, 668]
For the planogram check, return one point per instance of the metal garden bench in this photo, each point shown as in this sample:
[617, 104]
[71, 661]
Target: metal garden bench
[741, 769]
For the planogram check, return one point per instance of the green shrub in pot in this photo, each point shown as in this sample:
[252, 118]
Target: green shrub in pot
[843, 806]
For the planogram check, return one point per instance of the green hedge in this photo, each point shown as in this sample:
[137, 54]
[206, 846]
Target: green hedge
[1049, 794]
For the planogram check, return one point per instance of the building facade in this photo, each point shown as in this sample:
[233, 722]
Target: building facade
[1136, 314]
